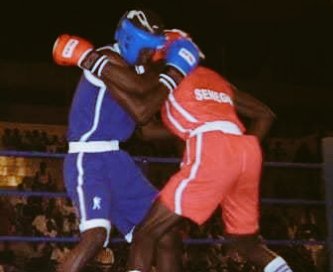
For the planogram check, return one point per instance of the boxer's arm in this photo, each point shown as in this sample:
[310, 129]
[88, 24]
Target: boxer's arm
[154, 130]
[141, 108]
[143, 103]
[260, 115]
[126, 79]
[181, 58]
[71, 50]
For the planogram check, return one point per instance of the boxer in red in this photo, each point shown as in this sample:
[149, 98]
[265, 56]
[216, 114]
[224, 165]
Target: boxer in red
[221, 166]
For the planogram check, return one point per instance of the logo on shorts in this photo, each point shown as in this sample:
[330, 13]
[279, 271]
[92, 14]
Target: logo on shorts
[97, 203]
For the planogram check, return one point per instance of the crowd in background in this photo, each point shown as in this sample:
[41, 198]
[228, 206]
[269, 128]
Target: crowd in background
[295, 149]
[55, 217]
[32, 140]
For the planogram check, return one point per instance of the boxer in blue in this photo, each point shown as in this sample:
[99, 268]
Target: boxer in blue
[103, 181]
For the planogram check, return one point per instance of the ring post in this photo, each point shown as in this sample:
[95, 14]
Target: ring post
[327, 147]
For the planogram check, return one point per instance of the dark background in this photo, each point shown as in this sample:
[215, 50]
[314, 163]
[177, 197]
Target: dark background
[281, 51]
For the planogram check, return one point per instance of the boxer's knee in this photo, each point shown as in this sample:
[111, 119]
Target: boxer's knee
[170, 240]
[145, 234]
[95, 236]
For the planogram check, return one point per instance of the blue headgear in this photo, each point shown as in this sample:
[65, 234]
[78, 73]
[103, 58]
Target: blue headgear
[132, 40]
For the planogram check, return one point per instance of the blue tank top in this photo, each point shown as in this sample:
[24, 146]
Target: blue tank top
[95, 115]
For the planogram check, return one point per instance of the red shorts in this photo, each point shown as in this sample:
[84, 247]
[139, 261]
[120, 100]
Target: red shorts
[218, 169]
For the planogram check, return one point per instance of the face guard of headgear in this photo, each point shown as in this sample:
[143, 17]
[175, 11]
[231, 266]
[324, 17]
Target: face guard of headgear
[131, 40]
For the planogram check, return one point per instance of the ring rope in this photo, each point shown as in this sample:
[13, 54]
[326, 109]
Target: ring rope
[143, 159]
[41, 239]
[64, 194]
[148, 159]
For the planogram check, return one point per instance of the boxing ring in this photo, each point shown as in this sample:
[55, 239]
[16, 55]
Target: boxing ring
[326, 169]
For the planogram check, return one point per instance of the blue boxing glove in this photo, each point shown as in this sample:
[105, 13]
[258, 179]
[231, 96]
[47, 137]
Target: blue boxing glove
[183, 55]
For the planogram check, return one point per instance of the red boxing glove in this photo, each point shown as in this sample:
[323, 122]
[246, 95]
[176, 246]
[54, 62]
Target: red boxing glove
[171, 36]
[175, 34]
[69, 50]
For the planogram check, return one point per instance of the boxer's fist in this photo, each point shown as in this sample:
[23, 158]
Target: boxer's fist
[172, 36]
[70, 50]
[184, 55]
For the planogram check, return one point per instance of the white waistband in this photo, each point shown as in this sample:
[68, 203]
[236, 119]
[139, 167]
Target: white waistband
[93, 146]
[224, 126]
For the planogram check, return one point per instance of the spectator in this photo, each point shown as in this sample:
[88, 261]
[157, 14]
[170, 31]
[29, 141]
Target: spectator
[17, 139]
[53, 144]
[26, 140]
[62, 146]
[278, 153]
[43, 180]
[44, 139]
[303, 153]
[7, 216]
[58, 254]
[40, 225]
[8, 139]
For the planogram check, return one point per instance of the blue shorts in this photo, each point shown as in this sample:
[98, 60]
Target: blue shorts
[107, 188]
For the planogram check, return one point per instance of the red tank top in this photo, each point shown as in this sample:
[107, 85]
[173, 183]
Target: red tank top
[202, 97]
